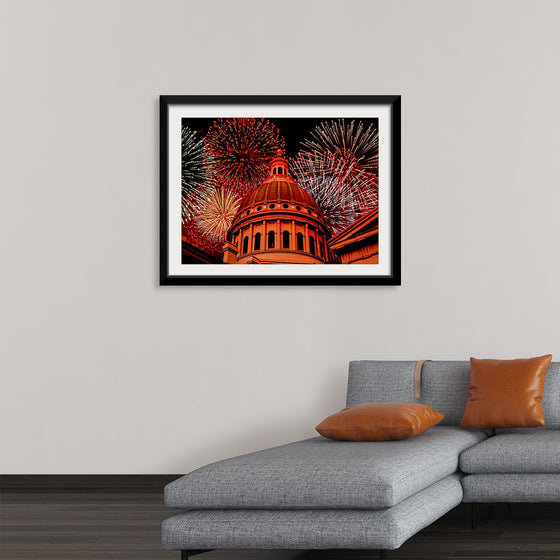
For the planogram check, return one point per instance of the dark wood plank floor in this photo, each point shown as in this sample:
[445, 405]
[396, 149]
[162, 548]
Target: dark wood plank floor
[91, 524]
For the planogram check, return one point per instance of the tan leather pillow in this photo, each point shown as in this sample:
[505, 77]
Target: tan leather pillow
[506, 393]
[379, 422]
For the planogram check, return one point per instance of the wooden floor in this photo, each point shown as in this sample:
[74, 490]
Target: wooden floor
[93, 524]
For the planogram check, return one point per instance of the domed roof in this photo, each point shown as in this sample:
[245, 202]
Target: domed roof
[285, 190]
[278, 187]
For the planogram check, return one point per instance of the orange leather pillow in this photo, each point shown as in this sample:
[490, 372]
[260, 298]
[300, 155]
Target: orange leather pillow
[506, 393]
[382, 421]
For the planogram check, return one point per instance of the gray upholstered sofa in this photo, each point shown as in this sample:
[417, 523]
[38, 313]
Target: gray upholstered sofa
[324, 494]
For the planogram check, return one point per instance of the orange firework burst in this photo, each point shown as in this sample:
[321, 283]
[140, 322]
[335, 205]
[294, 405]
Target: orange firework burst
[216, 210]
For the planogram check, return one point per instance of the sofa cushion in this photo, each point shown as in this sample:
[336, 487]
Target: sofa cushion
[506, 393]
[445, 387]
[312, 529]
[322, 473]
[530, 487]
[379, 422]
[524, 451]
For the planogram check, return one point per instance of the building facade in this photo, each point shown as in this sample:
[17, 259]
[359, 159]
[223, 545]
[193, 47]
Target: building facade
[278, 223]
[358, 243]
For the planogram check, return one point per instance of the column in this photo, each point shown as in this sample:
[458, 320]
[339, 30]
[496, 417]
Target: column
[293, 245]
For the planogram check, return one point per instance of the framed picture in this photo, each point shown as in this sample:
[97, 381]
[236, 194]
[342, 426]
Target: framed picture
[309, 184]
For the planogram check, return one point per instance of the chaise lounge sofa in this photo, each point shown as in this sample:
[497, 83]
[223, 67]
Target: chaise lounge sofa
[325, 494]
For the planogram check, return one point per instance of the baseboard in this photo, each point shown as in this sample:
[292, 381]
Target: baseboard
[122, 482]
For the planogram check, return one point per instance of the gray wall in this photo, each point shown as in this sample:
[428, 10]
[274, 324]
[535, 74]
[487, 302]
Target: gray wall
[105, 372]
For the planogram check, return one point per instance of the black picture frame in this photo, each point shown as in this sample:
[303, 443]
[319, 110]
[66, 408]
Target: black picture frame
[392, 105]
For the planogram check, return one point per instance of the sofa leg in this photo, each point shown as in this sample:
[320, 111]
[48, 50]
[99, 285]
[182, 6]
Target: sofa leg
[473, 517]
[382, 555]
[186, 554]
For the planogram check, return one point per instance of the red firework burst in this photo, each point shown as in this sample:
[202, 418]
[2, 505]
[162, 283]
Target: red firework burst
[238, 151]
[195, 236]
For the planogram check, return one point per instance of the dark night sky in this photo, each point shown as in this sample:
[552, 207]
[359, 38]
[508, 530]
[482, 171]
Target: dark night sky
[293, 130]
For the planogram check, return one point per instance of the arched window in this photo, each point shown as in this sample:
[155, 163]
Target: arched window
[271, 238]
[312, 245]
[299, 238]
[257, 242]
[285, 239]
[245, 244]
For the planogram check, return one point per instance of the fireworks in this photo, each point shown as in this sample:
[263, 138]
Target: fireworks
[239, 151]
[338, 166]
[215, 212]
[193, 172]
[196, 236]
[350, 146]
[342, 192]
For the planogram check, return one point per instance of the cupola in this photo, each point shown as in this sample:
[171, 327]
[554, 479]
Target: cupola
[279, 165]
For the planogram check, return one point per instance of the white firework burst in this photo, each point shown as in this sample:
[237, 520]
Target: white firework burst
[342, 192]
[350, 142]
[193, 172]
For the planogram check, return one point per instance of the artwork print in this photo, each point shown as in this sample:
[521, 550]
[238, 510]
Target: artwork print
[279, 191]
[301, 193]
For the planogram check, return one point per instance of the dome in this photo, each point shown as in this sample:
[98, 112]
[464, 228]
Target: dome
[278, 223]
[278, 187]
[278, 190]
